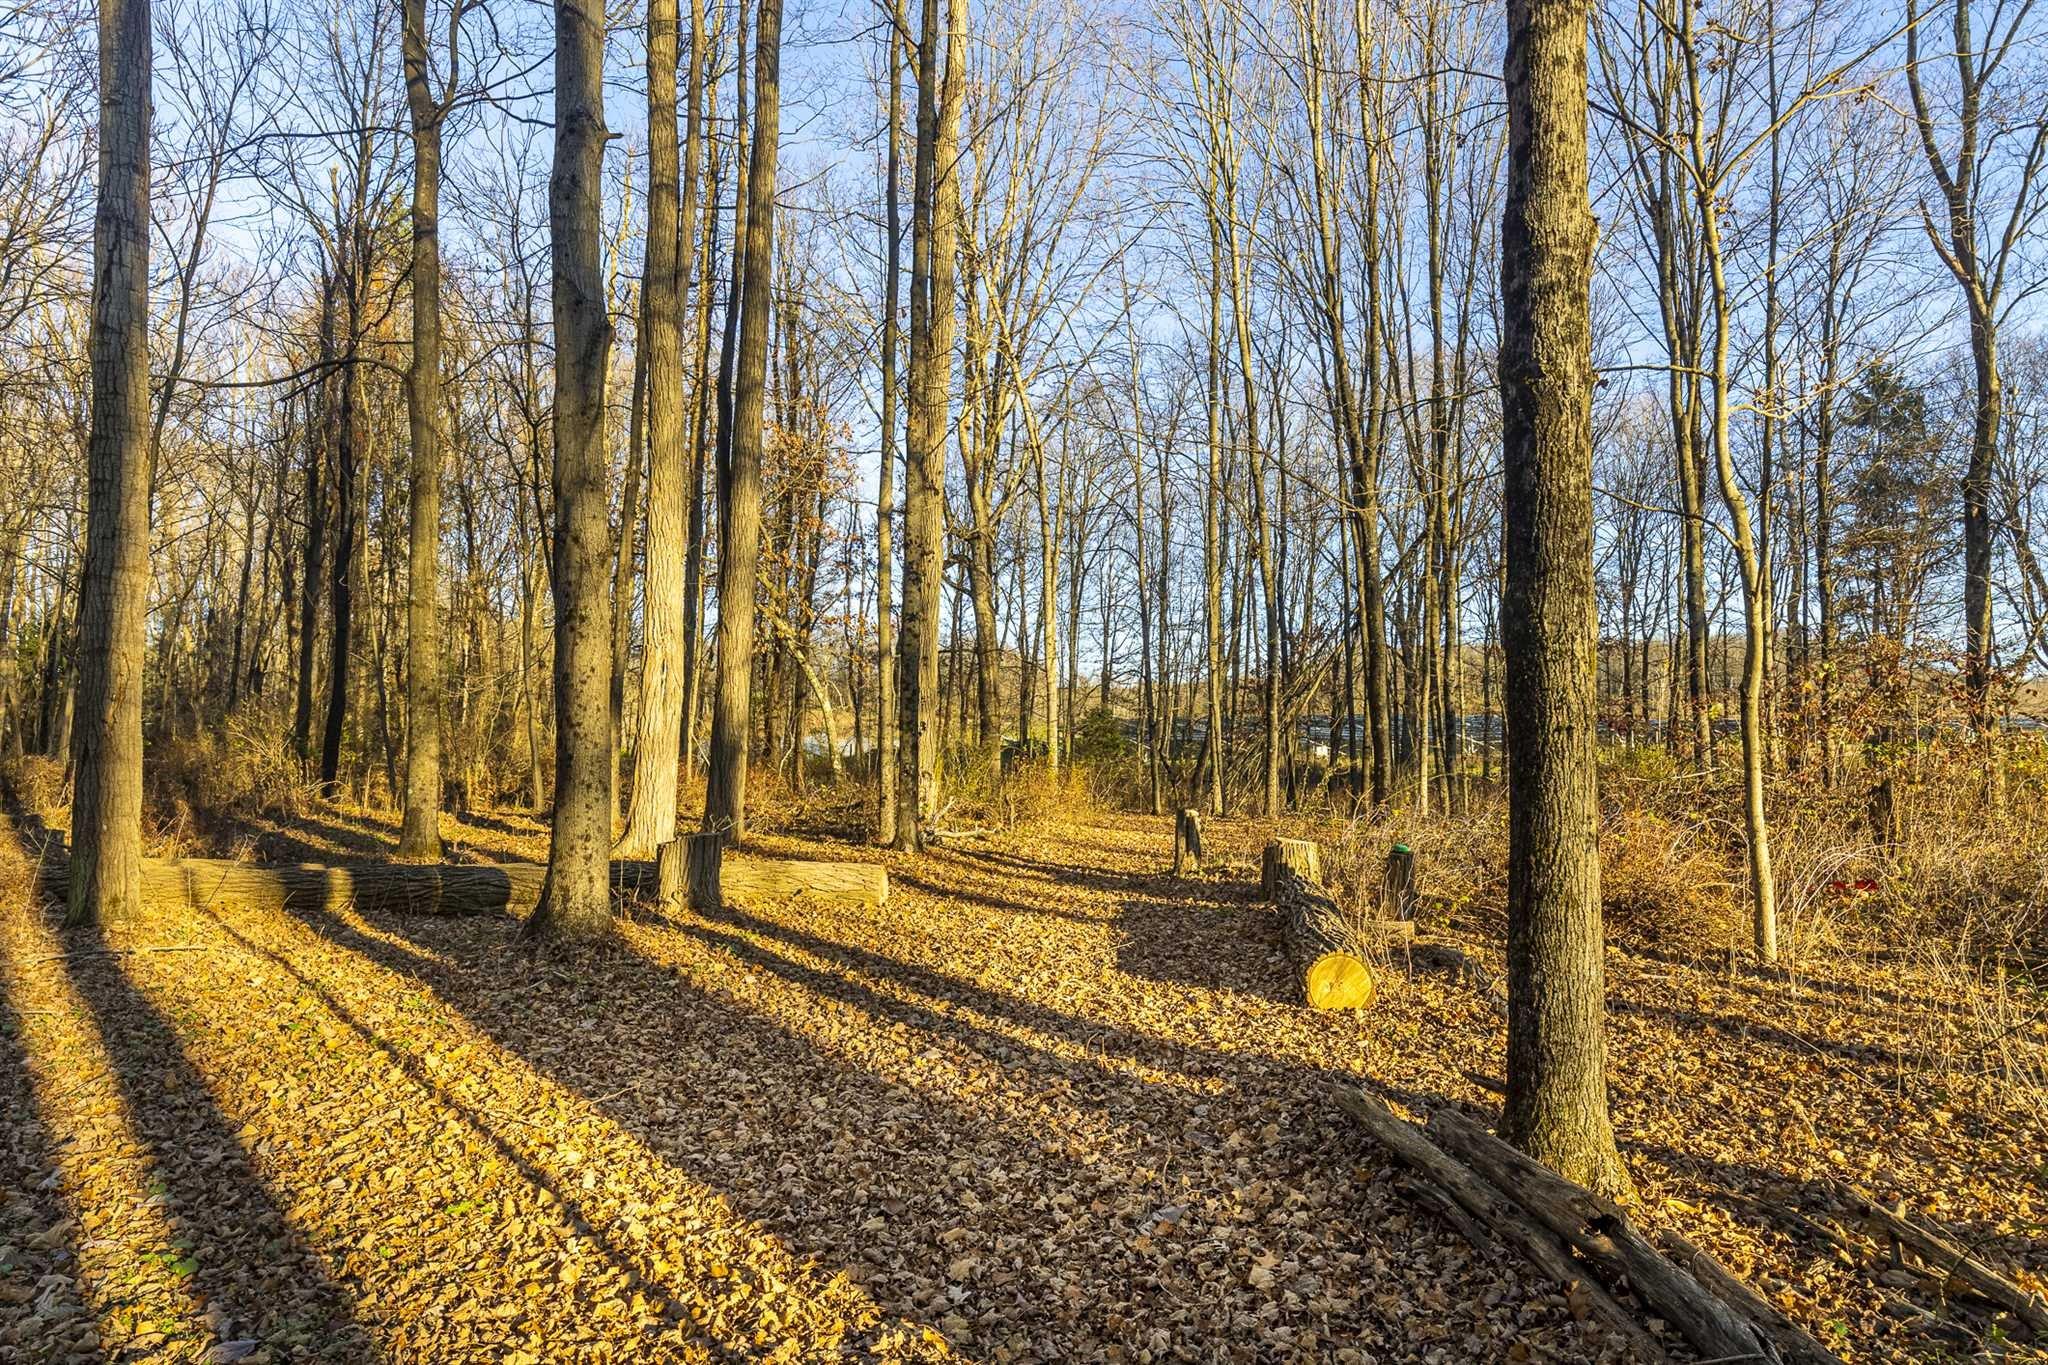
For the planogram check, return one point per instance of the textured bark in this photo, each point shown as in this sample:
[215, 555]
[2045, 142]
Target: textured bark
[576, 901]
[1557, 1057]
[1333, 977]
[933, 237]
[319, 406]
[725, 801]
[887, 721]
[106, 868]
[420, 832]
[651, 819]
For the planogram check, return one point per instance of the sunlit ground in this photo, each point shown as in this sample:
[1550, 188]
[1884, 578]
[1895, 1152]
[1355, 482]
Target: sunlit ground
[1047, 1105]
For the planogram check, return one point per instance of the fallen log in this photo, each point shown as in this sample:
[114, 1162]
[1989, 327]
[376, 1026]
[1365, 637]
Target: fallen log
[406, 888]
[1949, 1261]
[1602, 1233]
[1793, 1343]
[191, 884]
[1300, 856]
[1482, 1213]
[1333, 976]
[698, 870]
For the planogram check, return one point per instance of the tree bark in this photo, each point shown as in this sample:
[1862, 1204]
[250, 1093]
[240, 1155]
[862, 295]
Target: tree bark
[651, 818]
[725, 802]
[1557, 1057]
[575, 902]
[887, 721]
[419, 834]
[113, 598]
[934, 234]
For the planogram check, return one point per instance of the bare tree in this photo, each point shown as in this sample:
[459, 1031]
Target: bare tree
[420, 830]
[1556, 1108]
[575, 901]
[1995, 168]
[106, 855]
[725, 799]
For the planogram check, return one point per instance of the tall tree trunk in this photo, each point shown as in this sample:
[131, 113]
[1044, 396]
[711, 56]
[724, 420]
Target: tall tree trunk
[319, 442]
[113, 598]
[419, 834]
[341, 568]
[887, 722]
[623, 552]
[1556, 1107]
[575, 900]
[725, 801]
[693, 559]
[933, 236]
[651, 821]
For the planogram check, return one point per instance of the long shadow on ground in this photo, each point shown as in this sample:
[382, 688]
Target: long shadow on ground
[997, 1139]
[245, 1257]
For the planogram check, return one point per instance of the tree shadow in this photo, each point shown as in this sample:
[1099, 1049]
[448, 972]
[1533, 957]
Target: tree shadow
[38, 1223]
[996, 1104]
[1748, 1031]
[244, 1256]
[1227, 944]
[640, 1275]
[1005, 905]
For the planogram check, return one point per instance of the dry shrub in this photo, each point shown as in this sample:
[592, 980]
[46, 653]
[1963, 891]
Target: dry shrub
[36, 784]
[982, 792]
[1666, 882]
[1994, 1029]
[239, 771]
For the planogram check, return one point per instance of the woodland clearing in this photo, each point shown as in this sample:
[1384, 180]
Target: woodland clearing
[1050, 1103]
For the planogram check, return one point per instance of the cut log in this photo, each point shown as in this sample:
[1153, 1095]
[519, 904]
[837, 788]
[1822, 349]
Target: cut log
[1793, 1343]
[1481, 1212]
[709, 877]
[1602, 1233]
[1397, 884]
[1333, 976]
[190, 884]
[1187, 842]
[1950, 1261]
[1300, 856]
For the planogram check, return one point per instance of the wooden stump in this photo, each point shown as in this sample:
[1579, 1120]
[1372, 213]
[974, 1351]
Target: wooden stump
[1299, 856]
[1333, 977]
[703, 860]
[1187, 842]
[1397, 884]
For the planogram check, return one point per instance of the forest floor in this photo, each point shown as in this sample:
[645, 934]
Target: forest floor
[1048, 1105]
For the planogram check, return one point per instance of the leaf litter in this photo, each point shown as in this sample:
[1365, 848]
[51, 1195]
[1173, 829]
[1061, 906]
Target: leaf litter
[1047, 1105]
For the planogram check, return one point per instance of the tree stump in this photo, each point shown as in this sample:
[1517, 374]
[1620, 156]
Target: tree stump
[1333, 976]
[703, 860]
[1187, 842]
[1300, 856]
[1397, 884]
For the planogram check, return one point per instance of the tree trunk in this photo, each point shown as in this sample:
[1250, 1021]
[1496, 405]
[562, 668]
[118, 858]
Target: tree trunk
[651, 818]
[725, 801]
[576, 900]
[419, 835]
[933, 236]
[887, 723]
[113, 598]
[1557, 1057]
